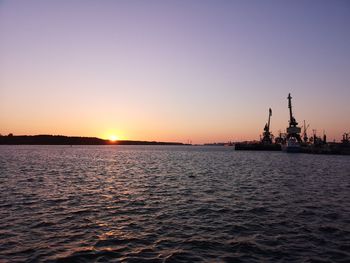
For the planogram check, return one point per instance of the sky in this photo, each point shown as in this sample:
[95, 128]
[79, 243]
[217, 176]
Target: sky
[204, 71]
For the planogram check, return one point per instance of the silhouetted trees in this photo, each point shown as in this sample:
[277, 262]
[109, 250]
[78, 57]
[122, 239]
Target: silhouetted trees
[65, 140]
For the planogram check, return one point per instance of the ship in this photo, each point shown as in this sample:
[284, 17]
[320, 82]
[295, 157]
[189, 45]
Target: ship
[319, 146]
[291, 141]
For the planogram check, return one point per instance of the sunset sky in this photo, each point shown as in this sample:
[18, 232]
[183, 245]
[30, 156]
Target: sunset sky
[205, 71]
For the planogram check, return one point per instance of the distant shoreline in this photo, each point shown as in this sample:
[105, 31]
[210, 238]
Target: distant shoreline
[71, 140]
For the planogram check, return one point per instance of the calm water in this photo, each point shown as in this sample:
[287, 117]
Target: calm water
[172, 204]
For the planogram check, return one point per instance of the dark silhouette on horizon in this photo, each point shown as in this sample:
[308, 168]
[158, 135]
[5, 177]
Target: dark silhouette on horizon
[71, 140]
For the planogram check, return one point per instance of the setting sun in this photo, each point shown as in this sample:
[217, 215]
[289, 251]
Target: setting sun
[112, 135]
[113, 138]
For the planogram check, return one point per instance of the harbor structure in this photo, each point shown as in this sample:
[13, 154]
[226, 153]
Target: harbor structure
[265, 143]
[267, 136]
[293, 139]
[292, 142]
[305, 137]
[293, 131]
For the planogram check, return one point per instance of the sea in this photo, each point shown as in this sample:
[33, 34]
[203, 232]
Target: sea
[172, 204]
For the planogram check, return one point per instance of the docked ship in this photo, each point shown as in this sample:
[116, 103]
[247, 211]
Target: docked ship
[292, 142]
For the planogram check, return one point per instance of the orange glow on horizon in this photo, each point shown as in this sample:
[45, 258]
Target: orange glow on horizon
[112, 135]
[113, 138]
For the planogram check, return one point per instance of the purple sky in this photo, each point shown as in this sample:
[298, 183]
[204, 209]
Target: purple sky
[173, 70]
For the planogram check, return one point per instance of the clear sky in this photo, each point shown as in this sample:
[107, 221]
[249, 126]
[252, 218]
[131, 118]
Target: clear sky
[173, 70]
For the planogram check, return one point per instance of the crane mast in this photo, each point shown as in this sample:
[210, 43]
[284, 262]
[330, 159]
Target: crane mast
[267, 134]
[293, 130]
[292, 121]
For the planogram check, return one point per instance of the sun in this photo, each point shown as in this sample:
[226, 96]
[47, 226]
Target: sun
[113, 138]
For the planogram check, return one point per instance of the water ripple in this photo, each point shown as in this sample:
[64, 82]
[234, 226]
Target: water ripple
[172, 204]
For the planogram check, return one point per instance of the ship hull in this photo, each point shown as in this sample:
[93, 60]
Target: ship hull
[257, 147]
[291, 149]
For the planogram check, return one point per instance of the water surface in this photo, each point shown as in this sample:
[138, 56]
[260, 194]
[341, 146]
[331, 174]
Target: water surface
[172, 204]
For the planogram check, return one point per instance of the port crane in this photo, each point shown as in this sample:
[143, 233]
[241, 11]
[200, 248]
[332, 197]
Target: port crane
[293, 130]
[267, 134]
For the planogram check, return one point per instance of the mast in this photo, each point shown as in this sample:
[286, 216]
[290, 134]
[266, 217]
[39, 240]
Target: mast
[305, 132]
